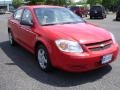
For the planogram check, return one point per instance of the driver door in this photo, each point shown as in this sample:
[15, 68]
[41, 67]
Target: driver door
[27, 35]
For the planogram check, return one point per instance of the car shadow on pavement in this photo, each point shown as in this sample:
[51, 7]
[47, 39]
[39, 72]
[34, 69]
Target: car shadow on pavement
[94, 19]
[116, 20]
[25, 61]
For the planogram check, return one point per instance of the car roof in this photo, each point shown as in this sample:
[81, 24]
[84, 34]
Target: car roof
[40, 6]
[100, 6]
[97, 6]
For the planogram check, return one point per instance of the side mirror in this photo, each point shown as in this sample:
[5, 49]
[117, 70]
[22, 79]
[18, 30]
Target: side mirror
[26, 22]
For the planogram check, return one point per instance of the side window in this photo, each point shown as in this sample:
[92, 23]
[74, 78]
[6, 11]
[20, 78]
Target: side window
[119, 8]
[18, 14]
[27, 16]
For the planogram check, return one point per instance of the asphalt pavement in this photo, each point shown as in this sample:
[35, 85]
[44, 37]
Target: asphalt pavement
[20, 71]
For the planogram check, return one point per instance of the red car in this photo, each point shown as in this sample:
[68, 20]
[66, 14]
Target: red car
[59, 38]
[76, 10]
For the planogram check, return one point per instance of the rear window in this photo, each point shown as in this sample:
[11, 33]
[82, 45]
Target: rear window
[74, 8]
[99, 8]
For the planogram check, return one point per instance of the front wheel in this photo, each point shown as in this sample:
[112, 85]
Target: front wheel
[43, 58]
[91, 17]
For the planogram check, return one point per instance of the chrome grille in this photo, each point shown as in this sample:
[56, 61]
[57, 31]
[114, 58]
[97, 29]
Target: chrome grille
[99, 45]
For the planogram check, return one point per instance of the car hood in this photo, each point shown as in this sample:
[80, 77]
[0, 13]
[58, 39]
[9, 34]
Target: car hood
[82, 32]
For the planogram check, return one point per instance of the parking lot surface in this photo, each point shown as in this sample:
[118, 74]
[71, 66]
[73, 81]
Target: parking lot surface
[20, 71]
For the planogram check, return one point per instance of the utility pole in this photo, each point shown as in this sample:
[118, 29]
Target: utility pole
[4, 5]
[4, 2]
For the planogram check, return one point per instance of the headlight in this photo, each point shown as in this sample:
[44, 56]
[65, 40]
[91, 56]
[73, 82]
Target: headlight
[113, 38]
[68, 46]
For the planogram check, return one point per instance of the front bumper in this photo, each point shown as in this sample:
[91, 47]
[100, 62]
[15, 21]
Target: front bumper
[82, 62]
[96, 15]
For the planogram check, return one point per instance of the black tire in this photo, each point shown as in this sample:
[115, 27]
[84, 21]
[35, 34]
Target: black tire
[105, 16]
[11, 39]
[43, 60]
[102, 17]
[117, 19]
[81, 15]
[91, 17]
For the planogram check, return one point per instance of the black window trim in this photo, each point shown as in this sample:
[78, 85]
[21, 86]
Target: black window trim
[21, 14]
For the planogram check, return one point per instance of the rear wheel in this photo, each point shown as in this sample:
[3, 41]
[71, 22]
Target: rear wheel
[102, 17]
[81, 15]
[11, 39]
[91, 17]
[43, 58]
[105, 16]
[117, 19]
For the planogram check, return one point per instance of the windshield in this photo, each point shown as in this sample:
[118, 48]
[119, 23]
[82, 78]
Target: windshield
[119, 8]
[74, 8]
[51, 16]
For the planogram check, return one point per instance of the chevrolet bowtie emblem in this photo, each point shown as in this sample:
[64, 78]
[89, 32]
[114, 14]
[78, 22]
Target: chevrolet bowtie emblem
[102, 45]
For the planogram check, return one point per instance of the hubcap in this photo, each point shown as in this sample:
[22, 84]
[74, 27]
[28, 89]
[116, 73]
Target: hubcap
[42, 58]
[10, 38]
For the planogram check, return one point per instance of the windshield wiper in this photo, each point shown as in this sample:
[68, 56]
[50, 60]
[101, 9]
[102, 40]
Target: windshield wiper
[71, 22]
[49, 24]
[61, 23]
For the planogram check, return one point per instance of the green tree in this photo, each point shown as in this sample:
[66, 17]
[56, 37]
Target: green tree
[53, 2]
[106, 3]
[59, 2]
[111, 4]
[35, 1]
[94, 2]
[17, 3]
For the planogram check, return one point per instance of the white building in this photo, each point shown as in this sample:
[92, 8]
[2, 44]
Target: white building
[5, 4]
[79, 0]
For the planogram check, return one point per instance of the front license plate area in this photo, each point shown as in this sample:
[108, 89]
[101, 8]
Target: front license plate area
[107, 58]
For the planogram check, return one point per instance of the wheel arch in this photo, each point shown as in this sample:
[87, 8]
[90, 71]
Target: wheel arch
[41, 42]
[46, 45]
[9, 29]
[37, 44]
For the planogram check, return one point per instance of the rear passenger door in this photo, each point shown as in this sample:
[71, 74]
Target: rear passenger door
[15, 23]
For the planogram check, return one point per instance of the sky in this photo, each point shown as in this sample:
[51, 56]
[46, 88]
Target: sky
[76, 0]
[5, 0]
[11, 0]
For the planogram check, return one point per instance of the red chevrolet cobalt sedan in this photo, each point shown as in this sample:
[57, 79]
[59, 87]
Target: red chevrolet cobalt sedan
[59, 38]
